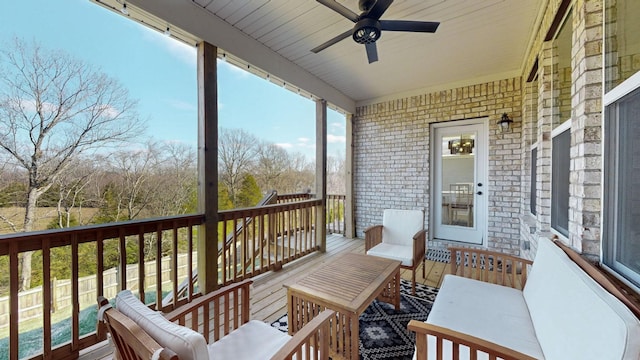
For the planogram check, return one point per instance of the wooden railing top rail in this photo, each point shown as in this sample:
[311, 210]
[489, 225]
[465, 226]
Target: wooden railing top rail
[28, 241]
[264, 210]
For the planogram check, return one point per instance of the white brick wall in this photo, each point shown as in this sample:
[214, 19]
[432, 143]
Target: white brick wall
[391, 154]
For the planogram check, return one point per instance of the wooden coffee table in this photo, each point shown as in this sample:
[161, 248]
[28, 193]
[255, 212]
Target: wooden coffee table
[346, 285]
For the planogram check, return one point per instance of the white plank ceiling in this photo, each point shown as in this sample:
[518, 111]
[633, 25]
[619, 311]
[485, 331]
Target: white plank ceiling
[478, 40]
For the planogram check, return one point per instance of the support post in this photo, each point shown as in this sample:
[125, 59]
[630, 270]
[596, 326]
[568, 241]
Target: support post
[208, 167]
[321, 173]
[349, 218]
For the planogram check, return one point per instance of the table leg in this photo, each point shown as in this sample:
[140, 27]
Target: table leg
[396, 294]
[355, 337]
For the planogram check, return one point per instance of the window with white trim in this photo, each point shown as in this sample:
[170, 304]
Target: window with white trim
[621, 187]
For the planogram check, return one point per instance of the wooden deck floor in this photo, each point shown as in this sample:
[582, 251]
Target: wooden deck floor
[269, 300]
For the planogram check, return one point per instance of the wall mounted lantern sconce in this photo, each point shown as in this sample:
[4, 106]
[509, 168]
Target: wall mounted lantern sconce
[504, 123]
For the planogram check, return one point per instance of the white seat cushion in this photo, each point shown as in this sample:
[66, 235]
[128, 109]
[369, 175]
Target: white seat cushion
[188, 344]
[399, 226]
[253, 340]
[492, 312]
[395, 252]
[574, 317]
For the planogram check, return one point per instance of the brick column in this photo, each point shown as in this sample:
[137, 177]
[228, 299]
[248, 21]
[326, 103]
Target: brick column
[586, 131]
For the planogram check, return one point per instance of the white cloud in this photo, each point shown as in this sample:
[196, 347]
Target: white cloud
[303, 140]
[29, 105]
[285, 145]
[336, 126]
[109, 111]
[336, 138]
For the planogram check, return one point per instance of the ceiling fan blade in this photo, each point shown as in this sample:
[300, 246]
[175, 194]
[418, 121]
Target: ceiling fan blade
[378, 9]
[372, 52]
[340, 9]
[333, 41]
[414, 26]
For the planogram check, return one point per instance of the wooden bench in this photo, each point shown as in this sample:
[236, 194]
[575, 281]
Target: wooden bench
[492, 307]
[216, 324]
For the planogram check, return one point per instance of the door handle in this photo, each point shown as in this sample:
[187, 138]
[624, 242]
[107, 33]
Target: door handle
[479, 193]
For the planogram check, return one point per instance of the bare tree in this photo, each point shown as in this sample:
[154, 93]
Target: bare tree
[236, 155]
[71, 191]
[177, 175]
[133, 181]
[336, 174]
[54, 107]
[300, 174]
[271, 163]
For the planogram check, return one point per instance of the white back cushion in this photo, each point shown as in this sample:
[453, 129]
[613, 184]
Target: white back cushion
[399, 226]
[573, 316]
[188, 344]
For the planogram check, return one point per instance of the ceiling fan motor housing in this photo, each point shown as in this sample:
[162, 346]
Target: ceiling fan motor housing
[367, 31]
[366, 5]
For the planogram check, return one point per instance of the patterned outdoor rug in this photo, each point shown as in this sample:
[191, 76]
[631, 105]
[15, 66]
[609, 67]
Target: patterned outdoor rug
[383, 330]
[438, 255]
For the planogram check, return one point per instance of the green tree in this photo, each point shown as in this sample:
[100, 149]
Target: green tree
[249, 194]
[110, 208]
[14, 194]
[224, 202]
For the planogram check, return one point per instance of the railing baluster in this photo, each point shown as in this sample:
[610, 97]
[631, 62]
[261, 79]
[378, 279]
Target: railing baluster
[13, 301]
[141, 267]
[174, 260]
[123, 260]
[224, 254]
[75, 314]
[159, 267]
[100, 263]
[46, 296]
[234, 272]
[190, 261]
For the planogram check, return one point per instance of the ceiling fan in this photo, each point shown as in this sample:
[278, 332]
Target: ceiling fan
[368, 26]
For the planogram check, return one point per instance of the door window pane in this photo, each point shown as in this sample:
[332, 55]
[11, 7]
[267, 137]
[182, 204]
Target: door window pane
[458, 166]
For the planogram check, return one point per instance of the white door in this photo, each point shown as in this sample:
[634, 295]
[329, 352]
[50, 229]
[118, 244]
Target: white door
[459, 191]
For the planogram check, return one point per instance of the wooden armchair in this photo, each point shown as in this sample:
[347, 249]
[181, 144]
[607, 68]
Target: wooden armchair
[214, 324]
[400, 237]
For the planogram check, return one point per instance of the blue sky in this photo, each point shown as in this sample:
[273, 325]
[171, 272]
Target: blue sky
[160, 73]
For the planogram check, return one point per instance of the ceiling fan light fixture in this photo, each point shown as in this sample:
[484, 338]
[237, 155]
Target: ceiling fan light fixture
[367, 31]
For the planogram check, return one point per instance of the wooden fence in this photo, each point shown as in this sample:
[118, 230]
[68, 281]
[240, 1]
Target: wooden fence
[30, 301]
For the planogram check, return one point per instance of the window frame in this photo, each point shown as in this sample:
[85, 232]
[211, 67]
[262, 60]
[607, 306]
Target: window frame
[610, 181]
[560, 129]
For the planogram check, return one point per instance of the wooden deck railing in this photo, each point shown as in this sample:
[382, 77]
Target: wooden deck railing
[335, 214]
[270, 236]
[125, 236]
[334, 210]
